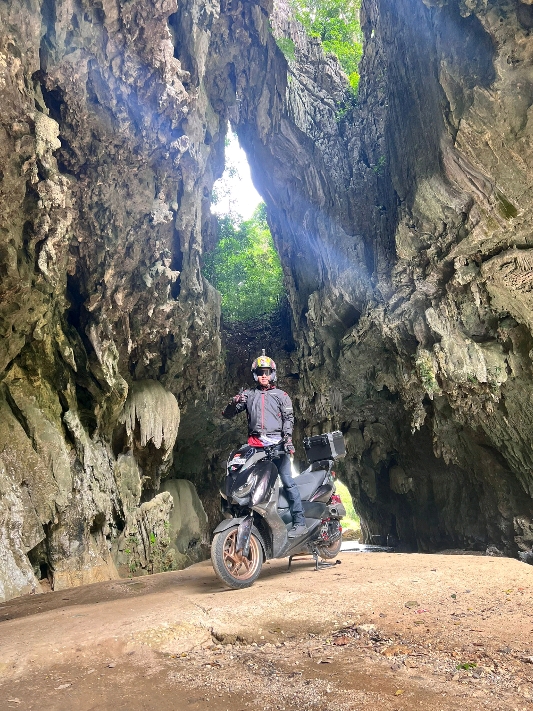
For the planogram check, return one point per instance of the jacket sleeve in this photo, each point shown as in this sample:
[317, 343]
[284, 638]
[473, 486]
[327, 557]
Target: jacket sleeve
[233, 408]
[287, 415]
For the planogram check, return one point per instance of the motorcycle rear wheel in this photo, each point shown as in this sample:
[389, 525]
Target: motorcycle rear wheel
[236, 571]
[330, 550]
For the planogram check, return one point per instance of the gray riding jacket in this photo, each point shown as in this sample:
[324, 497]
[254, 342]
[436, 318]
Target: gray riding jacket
[269, 412]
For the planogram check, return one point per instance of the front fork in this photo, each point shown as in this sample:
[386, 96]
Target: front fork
[244, 533]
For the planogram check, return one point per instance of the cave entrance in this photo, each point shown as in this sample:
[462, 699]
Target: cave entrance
[351, 524]
[245, 268]
[44, 573]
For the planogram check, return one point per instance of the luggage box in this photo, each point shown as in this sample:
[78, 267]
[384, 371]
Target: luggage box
[325, 446]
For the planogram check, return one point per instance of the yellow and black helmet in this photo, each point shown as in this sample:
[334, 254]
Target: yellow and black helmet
[263, 361]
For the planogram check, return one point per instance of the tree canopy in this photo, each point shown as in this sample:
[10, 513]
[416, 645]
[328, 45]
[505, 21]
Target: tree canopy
[245, 267]
[336, 24]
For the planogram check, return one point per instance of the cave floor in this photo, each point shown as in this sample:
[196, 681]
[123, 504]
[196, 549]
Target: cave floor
[449, 632]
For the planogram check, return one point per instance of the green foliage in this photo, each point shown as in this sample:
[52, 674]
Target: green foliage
[129, 550]
[341, 113]
[466, 666]
[380, 165]
[222, 188]
[286, 44]
[245, 267]
[353, 80]
[351, 522]
[336, 24]
[425, 366]
[346, 498]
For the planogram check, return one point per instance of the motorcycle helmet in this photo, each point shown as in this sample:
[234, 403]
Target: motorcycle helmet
[264, 361]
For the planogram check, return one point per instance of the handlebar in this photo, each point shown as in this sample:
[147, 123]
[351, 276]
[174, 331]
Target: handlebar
[274, 451]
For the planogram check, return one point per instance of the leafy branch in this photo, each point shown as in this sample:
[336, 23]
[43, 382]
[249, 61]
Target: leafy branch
[336, 24]
[245, 267]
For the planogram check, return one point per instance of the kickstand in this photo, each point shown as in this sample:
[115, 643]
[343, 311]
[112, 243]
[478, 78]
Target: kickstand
[321, 565]
[296, 555]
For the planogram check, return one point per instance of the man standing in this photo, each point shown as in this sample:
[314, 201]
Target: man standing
[270, 421]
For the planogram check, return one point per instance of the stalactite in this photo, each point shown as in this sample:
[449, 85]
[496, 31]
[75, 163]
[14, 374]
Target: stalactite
[156, 413]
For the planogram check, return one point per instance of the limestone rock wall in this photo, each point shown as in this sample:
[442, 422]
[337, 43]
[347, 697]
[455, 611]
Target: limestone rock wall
[107, 148]
[410, 305]
[456, 149]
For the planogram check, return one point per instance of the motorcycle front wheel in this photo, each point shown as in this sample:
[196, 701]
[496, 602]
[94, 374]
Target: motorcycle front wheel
[233, 568]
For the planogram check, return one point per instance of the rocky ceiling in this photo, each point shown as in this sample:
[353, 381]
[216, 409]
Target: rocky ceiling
[402, 220]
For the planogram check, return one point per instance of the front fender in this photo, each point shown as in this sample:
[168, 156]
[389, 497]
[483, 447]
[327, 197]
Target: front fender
[230, 522]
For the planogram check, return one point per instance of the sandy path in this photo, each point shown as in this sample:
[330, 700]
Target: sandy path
[449, 632]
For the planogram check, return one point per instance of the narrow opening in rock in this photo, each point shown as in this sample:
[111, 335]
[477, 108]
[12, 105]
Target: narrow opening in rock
[234, 193]
[351, 525]
[245, 268]
[98, 523]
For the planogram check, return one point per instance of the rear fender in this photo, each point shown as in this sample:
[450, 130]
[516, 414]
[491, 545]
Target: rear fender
[314, 509]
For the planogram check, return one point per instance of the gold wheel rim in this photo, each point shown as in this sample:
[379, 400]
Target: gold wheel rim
[238, 566]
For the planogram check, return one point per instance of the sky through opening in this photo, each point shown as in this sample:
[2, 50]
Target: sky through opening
[234, 193]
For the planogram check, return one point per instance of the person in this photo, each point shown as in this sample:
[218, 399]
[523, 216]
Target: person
[270, 421]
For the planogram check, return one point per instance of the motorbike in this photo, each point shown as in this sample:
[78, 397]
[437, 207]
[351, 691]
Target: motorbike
[258, 517]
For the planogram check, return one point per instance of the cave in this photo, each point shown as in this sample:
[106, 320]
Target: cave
[399, 211]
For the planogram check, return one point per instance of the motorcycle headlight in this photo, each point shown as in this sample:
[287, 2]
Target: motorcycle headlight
[245, 489]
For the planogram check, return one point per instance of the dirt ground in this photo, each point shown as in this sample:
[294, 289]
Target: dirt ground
[395, 632]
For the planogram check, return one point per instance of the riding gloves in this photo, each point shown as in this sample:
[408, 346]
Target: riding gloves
[288, 445]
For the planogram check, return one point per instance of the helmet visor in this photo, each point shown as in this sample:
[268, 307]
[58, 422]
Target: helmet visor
[263, 371]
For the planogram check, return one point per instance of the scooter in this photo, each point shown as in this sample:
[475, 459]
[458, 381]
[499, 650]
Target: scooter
[258, 517]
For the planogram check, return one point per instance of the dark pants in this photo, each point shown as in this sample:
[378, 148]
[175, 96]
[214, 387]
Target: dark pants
[293, 495]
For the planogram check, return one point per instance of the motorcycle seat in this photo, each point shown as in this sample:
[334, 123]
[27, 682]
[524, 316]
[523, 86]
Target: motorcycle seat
[307, 483]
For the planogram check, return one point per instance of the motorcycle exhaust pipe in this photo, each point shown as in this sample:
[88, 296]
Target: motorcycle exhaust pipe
[336, 511]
